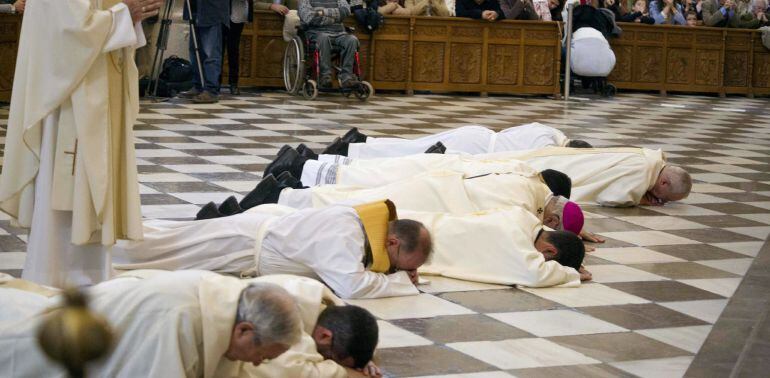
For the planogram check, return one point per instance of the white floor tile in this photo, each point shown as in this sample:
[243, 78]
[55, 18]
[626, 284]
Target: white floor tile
[644, 238]
[556, 323]
[12, 260]
[713, 188]
[487, 374]
[438, 284]
[522, 353]
[664, 367]
[663, 222]
[762, 218]
[415, 306]
[166, 177]
[170, 211]
[706, 310]
[744, 248]
[236, 159]
[755, 232]
[590, 294]
[392, 336]
[686, 338]
[681, 209]
[620, 273]
[201, 168]
[735, 266]
[722, 286]
[633, 255]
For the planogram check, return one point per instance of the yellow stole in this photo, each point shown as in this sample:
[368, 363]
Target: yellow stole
[375, 217]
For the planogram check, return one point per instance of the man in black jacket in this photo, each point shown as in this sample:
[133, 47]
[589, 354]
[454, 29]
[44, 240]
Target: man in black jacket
[479, 9]
[210, 17]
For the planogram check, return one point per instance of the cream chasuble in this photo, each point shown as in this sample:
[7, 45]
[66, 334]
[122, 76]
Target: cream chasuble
[608, 176]
[494, 246]
[72, 111]
[437, 191]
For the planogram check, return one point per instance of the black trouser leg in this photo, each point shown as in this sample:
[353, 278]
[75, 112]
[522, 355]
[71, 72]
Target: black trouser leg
[233, 52]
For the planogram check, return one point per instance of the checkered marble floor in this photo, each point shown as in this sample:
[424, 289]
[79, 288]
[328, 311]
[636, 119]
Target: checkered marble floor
[661, 280]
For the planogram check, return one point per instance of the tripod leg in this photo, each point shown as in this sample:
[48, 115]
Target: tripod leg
[160, 48]
[194, 37]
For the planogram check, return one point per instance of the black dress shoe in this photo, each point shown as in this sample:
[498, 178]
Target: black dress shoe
[338, 147]
[287, 180]
[234, 90]
[438, 148]
[230, 207]
[282, 161]
[354, 136]
[305, 151]
[208, 211]
[262, 193]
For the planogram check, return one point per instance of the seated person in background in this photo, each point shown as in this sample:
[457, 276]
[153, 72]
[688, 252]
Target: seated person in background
[667, 12]
[718, 13]
[692, 19]
[323, 18]
[750, 15]
[395, 7]
[12, 7]
[438, 8]
[173, 324]
[556, 6]
[518, 10]
[479, 9]
[639, 13]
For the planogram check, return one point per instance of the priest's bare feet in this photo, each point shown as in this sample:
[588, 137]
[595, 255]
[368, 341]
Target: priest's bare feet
[585, 275]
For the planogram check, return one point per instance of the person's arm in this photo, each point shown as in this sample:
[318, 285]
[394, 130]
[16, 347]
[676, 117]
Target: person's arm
[7, 8]
[678, 16]
[262, 4]
[548, 273]
[306, 13]
[440, 9]
[630, 17]
[655, 13]
[467, 8]
[301, 360]
[126, 30]
[647, 20]
[712, 14]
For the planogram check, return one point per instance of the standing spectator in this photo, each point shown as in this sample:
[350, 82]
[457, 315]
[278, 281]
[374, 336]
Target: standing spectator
[667, 12]
[438, 8]
[211, 16]
[518, 10]
[639, 13]
[479, 9]
[12, 7]
[718, 13]
[241, 12]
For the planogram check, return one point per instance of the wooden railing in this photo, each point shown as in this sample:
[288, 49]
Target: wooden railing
[429, 53]
[696, 59]
[514, 57]
[10, 26]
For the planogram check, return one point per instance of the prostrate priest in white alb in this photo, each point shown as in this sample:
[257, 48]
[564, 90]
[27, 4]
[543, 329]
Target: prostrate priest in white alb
[504, 246]
[607, 176]
[174, 324]
[540, 193]
[472, 139]
[69, 171]
[360, 252]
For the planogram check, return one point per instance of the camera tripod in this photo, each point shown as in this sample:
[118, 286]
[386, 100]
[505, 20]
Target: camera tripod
[160, 48]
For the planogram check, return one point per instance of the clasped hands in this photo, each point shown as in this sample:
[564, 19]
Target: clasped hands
[142, 9]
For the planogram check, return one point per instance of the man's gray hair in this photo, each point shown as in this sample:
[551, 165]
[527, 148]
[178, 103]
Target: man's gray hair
[273, 313]
[679, 179]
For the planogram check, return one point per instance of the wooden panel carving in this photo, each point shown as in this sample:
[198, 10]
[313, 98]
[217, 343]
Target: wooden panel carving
[708, 39]
[648, 64]
[465, 63]
[680, 38]
[649, 36]
[736, 69]
[510, 34]
[737, 40]
[539, 65]
[624, 59]
[467, 32]
[247, 48]
[707, 71]
[428, 62]
[390, 61]
[393, 28]
[679, 60]
[761, 71]
[270, 24]
[269, 56]
[540, 34]
[503, 61]
[430, 30]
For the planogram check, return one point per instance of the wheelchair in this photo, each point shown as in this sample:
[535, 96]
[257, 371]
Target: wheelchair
[301, 69]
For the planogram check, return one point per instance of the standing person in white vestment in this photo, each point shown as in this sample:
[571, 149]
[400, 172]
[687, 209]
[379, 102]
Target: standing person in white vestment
[471, 139]
[168, 324]
[69, 170]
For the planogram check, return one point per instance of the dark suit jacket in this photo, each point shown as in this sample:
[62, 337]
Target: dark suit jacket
[210, 12]
[469, 8]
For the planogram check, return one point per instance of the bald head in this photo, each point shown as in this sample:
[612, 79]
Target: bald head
[673, 184]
